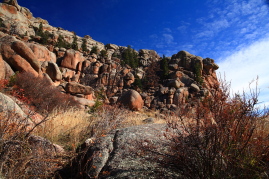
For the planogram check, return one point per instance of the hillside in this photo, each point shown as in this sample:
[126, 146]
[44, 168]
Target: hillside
[101, 94]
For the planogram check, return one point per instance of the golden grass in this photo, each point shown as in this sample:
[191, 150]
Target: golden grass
[69, 128]
[66, 128]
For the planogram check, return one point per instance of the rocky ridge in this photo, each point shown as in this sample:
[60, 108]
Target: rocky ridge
[189, 76]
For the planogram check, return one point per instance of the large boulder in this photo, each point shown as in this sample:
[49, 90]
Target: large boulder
[12, 2]
[2, 68]
[76, 88]
[12, 110]
[8, 70]
[132, 99]
[71, 59]
[209, 66]
[25, 52]
[84, 102]
[123, 154]
[42, 53]
[181, 96]
[18, 55]
[52, 70]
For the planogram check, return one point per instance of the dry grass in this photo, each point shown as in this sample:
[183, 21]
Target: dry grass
[22, 157]
[67, 128]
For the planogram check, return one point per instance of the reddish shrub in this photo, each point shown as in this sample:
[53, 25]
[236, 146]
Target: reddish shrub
[220, 138]
[41, 93]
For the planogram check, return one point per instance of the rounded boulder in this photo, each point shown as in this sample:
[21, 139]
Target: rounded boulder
[131, 99]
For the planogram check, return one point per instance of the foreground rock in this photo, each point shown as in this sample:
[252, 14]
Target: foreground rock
[122, 154]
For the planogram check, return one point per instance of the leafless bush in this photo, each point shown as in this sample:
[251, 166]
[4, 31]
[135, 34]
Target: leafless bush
[221, 137]
[20, 155]
[41, 94]
[106, 119]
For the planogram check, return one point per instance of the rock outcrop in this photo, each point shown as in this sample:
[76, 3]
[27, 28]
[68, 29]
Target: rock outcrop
[122, 154]
[188, 76]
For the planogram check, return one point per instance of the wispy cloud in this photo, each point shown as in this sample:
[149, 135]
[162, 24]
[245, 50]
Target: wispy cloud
[168, 38]
[243, 66]
[168, 30]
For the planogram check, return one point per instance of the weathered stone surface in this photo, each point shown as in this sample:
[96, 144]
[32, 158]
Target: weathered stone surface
[2, 68]
[132, 99]
[149, 120]
[120, 154]
[12, 110]
[112, 46]
[42, 53]
[84, 102]
[176, 84]
[20, 64]
[76, 88]
[71, 59]
[24, 51]
[180, 96]
[194, 88]
[39, 144]
[52, 70]
[173, 67]
[209, 66]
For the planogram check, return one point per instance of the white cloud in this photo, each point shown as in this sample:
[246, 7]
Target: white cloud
[243, 66]
[167, 30]
[168, 38]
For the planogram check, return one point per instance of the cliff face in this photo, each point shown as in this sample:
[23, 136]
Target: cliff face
[29, 44]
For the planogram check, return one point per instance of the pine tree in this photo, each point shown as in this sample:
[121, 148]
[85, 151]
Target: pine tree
[75, 43]
[103, 53]
[84, 45]
[130, 57]
[39, 31]
[164, 68]
[62, 42]
[94, 50]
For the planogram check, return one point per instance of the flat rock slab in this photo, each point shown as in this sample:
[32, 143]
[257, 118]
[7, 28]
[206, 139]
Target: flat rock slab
[124, 153]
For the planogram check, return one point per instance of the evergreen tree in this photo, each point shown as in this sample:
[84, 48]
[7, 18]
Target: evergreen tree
[39, 31]
[164, 68]
[130, 57]
[44, 35]
[75, 43]
[198, 73]
[103, 53]
[84, 45]
[62, 42]
[94, 50]
[138, 82]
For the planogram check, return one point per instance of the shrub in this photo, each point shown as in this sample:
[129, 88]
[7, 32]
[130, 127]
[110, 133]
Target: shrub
[41, 94]
[164, 68]
[61, 42]
[103, 53]
[198, 73]
[20, 157]
[84, 45]
[75, 43]
[221, 137]
[94, 50]
[44, 35]
[151, 78]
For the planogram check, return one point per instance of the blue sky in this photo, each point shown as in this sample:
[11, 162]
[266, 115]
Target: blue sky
[233, 32]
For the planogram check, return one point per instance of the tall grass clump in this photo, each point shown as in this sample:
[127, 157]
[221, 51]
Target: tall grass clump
[68, 128]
